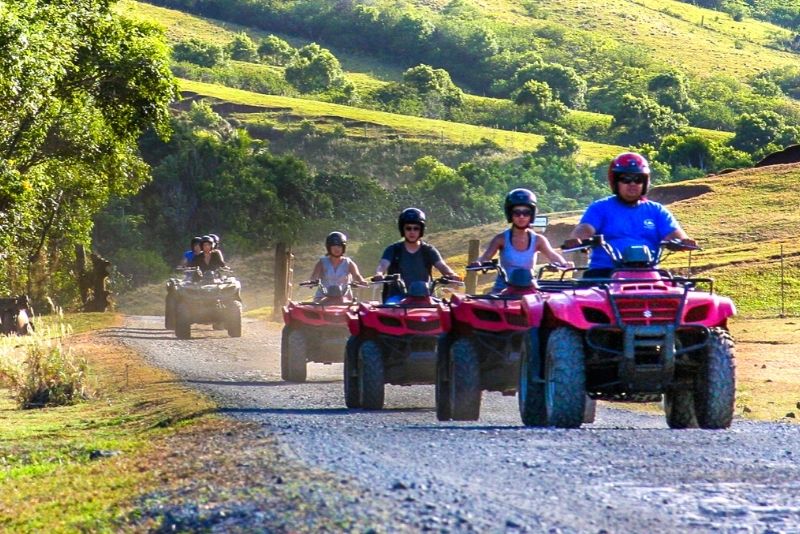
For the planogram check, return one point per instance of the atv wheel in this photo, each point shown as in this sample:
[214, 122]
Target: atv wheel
[233, 319]
[170, 306]
[531, 385]
[295, 369]
[444, 408]
[715, 384]
[679, 409]
[352, 398]
[183, 321]
[465, 381]
[370, 375]
[565, 379]
[285, 332]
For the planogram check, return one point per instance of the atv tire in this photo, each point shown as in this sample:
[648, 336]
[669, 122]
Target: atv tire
[170, 309]
[565, 379]
[679, 409]
[370, 375]
[715, 384]
[444, 407]
[352, 399]
[183, 321]
[465, 381]
[233, 318]
[285, 332]
[532, 408]
[294, 369]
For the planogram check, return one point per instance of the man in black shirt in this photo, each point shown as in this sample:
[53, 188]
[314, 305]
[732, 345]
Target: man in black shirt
[412, 257]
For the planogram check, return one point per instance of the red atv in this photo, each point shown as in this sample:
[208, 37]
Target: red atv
[485, 336]
[392, 343]
[632, 337]
[314, 331]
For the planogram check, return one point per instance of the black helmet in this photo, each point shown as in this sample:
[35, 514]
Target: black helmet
[336, 238]
[196, 240]
[215, 239]
[520, 197]
[411, 216]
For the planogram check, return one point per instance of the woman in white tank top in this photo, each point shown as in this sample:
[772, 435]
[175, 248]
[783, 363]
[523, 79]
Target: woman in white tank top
[518, 245]
[336, 269]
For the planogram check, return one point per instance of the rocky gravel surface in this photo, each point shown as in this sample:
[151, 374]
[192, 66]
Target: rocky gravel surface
[627, 472]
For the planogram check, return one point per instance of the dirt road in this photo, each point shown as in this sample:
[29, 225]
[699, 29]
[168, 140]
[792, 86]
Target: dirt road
[627, 472]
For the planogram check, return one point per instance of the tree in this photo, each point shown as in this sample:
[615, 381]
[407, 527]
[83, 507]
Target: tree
[540, 101]
[691, 150]
[672, 90]
[426, 81]
[275, 50]
[242, 48]
[558, 142]
[73, 101]
[314, 69]
[199, 53]
[756, 130]
[643, 120]
[565, 83]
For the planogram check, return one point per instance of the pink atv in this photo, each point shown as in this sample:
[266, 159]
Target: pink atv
[632, 337]
[392, 343]
[485, 336]
[314, 331]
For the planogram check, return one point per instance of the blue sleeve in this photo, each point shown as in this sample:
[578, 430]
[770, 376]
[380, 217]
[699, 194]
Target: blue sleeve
[388, 254]
[667, 223]
[594, 215]
[436, 256]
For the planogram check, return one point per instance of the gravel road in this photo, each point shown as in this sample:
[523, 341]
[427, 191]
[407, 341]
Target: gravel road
[625, 473]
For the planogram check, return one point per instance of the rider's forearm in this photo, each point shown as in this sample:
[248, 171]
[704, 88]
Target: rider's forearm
[445, 269]
[382, 266]
[582, 231]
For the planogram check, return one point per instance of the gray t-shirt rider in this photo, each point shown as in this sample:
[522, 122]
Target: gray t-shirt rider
[412, 267]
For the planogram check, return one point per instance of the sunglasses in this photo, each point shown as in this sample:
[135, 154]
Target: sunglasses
[522, 213]
[412, 228]
[631, 179]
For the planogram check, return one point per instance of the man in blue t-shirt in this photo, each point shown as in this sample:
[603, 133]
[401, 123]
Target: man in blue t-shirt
[627, 217]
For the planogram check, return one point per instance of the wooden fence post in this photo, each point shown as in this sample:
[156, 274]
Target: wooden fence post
[471, 282]
[283, 279]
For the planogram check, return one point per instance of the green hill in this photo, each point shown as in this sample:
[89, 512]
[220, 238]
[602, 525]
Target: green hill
[365, 72]
[255, 108]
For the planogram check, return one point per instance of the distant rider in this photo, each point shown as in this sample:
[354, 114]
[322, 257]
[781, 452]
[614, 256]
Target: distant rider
[412, 258]
[626, 218]
[194, 250]
[519, 244]
[336, 269]
[210, 259]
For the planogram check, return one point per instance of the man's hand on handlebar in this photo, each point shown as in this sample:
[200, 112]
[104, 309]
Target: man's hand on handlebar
[681, 244]
[571, 243]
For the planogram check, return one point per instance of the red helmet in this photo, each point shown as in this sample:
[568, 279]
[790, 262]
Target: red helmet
[628, 163]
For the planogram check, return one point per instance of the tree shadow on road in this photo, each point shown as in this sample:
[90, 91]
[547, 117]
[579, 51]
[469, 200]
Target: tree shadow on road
[256, 383]
[317, 411]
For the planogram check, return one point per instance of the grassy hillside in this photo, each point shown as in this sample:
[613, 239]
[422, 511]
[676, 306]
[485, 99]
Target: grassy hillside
[255, 108]
[694, 39]
[365, 72]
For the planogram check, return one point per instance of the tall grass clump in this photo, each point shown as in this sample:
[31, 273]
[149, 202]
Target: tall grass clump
[41, 370]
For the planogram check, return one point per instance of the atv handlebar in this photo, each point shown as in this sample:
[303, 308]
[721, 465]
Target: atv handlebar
[484, 266]
[679, 245]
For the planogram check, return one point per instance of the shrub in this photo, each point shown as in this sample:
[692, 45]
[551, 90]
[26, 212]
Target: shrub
[50, 375]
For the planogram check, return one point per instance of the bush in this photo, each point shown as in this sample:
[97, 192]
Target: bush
[199, 53]
[50, 375]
